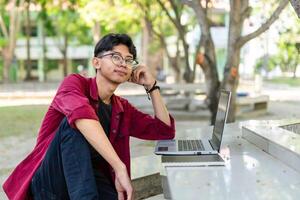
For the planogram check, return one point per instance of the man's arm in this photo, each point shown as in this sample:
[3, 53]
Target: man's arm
[160, 109]
[143, 77]
[94, 134]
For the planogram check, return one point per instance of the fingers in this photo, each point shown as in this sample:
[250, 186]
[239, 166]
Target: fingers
[135, 75]
[128, 190]
[123, 184]
[142, 76]
[129, 193]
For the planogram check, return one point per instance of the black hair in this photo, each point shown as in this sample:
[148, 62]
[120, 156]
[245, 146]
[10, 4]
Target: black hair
[110, 40]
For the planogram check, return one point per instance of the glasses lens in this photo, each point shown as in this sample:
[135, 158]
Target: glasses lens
[117, 59]
[134, 63]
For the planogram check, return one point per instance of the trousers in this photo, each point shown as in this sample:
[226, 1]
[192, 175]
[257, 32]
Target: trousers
[66, 171]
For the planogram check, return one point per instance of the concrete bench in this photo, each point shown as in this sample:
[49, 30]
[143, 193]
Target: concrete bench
[146, 178]
[252, 105]
[185, 88]
[246, 105]
[181, 96]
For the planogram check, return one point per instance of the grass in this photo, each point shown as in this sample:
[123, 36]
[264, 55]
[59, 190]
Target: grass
[21, 120]
[285, 80]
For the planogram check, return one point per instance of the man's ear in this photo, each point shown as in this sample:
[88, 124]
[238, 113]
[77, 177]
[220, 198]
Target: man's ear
[96, 63]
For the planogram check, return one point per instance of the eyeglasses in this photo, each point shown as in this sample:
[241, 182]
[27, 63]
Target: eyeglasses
[117, 59]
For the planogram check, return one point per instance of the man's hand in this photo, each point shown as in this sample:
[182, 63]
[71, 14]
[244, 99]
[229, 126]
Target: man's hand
[142, 76]
[123, 184]
[95, 135]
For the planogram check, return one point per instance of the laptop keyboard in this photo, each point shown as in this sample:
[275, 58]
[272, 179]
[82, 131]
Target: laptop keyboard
[190, 145]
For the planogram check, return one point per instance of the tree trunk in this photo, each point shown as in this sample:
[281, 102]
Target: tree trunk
[231, 80]
[45, 60]
[176, 20]
[209, 67]
[296, 63]
[296, 5]
[96, 32]
[65, 56]
[188, 74]
[7, 59]
[294, 71]
[146, 40]
[231, 74]
[8, 51]
[172, 60]
[28, 35]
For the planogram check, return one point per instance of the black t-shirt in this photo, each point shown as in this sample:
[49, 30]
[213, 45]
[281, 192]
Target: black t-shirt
[104, 114]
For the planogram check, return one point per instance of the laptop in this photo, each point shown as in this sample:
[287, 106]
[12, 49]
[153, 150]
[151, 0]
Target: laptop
[198, 146]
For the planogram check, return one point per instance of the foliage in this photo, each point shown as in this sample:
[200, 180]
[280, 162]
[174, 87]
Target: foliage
[4, 14]
[113, 16]
[288, 44]
[66, 21]
[287, 57]
[266, 63]
[285, 80]
[160, 24]
[3, 42]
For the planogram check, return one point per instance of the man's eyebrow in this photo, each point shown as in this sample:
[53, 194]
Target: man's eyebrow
[128, 56]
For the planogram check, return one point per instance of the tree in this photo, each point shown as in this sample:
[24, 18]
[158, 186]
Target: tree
[161, 28]
[46, 27]
[288, 46]
[288, 55]
[68, 26]
[174, 11]
[28, 36]
[239, 11]
[110, 16]
[9, 25]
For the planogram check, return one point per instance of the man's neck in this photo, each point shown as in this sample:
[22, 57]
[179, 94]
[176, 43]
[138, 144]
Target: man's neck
[105, 89]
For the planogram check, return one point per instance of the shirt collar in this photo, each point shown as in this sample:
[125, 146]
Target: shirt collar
[94, 89]
[117, 104]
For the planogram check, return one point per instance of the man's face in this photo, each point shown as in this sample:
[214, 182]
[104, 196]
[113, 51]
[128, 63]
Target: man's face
[112, 64]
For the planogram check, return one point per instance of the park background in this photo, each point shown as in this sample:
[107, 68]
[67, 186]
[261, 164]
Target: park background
[249, 47]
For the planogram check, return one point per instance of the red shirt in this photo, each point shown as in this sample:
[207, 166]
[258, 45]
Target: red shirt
[77, 98]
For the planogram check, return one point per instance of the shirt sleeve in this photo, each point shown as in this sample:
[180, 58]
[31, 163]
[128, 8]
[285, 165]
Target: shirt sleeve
[71, 100]
[144, 126]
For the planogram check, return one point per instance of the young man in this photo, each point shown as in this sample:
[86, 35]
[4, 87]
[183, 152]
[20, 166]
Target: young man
[82, 149]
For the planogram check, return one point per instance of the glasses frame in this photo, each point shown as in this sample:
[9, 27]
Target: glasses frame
[131, 66]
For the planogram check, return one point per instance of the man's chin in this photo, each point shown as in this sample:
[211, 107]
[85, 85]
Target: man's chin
[118, 81]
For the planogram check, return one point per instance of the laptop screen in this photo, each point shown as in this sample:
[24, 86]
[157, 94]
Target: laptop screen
[221, 117]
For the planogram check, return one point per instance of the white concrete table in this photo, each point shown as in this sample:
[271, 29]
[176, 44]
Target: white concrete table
[250, 173]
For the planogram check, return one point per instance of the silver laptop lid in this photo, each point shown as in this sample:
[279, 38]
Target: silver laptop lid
[220, 121]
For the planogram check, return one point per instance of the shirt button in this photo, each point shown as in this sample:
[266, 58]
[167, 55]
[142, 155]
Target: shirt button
[114, 131]
[118, 117]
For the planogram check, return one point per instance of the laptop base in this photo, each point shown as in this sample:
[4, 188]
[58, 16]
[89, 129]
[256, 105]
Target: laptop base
[192, 160]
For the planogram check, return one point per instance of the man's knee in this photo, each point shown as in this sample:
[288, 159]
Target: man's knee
[67, 132]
